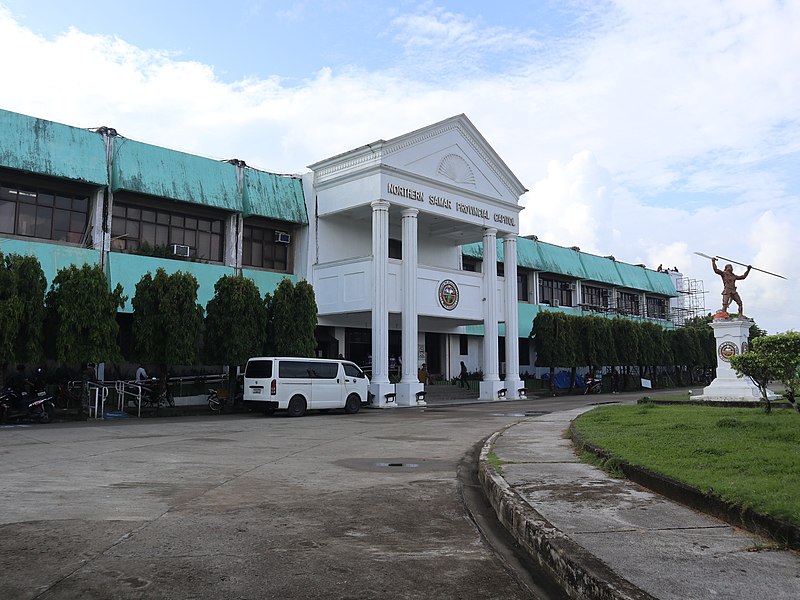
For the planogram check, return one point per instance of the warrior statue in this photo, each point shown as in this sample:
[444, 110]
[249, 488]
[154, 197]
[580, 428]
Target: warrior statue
[729, 279]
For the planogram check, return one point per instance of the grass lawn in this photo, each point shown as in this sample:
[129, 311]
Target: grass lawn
[743, 455]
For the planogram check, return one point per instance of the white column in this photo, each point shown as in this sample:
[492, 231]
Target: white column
[491, 383]
[379, 385]
[233, 241]
[512, 380]
[409, 384]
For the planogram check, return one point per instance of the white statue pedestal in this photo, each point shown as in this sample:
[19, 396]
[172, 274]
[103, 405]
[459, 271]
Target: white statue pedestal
[731, 336]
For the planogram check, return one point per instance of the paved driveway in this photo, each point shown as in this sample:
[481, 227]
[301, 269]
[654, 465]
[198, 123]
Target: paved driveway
[333, 506]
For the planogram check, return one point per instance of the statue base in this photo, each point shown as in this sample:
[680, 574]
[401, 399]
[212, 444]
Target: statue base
[731, 336]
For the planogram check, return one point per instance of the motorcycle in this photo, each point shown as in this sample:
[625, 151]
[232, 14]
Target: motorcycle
[593, 386]
[218, 400]
[38, 407]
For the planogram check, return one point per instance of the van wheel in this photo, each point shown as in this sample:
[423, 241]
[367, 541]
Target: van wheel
[353, 404]
[297, 407]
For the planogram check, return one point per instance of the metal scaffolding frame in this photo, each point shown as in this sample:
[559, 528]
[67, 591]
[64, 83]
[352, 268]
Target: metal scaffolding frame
[691, 300]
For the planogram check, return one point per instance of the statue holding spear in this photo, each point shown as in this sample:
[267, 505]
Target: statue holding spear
[729, 279]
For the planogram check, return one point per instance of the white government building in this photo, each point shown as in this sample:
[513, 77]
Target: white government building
[412, 244]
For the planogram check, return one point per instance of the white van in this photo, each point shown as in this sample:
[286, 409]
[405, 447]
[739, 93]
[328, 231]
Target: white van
[300, 384]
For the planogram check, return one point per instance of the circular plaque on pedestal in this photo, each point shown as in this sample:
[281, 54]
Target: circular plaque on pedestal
[727, 350]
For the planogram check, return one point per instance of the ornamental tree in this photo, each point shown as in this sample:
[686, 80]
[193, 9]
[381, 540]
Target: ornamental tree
[236, 324]
[772, 358]
[82, 315]
[292, 313]
[10, 313]
[554, 342]
[166, 319]
[31, 287]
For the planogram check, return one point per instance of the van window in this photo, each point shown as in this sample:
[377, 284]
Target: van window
[258, 369]
[352, 371]
[305, 369]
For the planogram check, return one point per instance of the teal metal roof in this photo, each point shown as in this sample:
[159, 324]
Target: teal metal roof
[156, 171]
[549, 258]
[38, 146]
[274, 196]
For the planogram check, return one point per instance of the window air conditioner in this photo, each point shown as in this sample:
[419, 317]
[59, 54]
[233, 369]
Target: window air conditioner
[181, 250]
[555, 302]
[281, 237]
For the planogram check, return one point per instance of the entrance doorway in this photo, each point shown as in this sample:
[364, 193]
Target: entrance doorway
[434, 349]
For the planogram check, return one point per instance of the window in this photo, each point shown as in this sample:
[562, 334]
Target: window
[258, 369]
[628, 302]
[522, 286]
[308, 370]
[353, 371]
[261, 248]
[133, 226]
[395, 249]
[470, 264]
[594, 296]
[44, 214]
[555, 292]
[656, 307]
[463, 345]
[525, 351]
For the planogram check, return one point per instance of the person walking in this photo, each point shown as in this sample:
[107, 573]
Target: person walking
[462, 377]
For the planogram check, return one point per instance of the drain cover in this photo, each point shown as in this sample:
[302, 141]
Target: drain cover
[396, 464]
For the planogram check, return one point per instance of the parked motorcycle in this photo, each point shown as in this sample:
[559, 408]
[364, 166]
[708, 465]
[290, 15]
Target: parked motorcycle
[38, 407]
[593, 386]
[218, 400]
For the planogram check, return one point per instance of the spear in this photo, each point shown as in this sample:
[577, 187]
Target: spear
[738, 263]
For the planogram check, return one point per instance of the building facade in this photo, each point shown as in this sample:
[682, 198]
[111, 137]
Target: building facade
[412, 244]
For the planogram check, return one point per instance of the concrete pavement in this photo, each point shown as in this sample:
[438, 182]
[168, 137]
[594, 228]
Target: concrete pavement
[603, 537]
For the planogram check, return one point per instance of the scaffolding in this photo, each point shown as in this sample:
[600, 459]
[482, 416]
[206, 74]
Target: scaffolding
[690, 302]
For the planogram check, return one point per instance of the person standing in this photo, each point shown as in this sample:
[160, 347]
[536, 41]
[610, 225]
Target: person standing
[89, 377]
[422, 374]
[462, 377]
[141, 374]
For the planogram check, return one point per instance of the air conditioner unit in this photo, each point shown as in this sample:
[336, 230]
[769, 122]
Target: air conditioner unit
[555, 302]
[281, 237]
[181, 250]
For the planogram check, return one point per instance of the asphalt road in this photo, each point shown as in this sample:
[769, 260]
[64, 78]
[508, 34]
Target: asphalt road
[244, 507]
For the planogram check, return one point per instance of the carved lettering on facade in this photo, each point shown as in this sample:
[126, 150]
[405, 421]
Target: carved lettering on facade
[504, 219]
[474, 211]
[439, 201]
[404, 192]
[446, 203]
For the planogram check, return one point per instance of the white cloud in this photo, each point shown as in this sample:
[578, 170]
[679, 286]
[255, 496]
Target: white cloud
[663, 130]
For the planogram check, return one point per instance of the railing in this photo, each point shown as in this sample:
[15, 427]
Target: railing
[98, 393]
[97, 396]
[127, 390]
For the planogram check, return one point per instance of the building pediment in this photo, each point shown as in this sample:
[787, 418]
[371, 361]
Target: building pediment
[451, 152]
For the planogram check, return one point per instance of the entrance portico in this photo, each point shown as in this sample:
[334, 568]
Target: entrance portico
[390, 219]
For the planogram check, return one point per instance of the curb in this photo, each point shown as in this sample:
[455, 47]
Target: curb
[580, 574]
[782, 532]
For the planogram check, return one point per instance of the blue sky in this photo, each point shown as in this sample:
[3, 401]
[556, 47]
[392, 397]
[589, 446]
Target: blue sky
[644, 130]
[293, 40]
